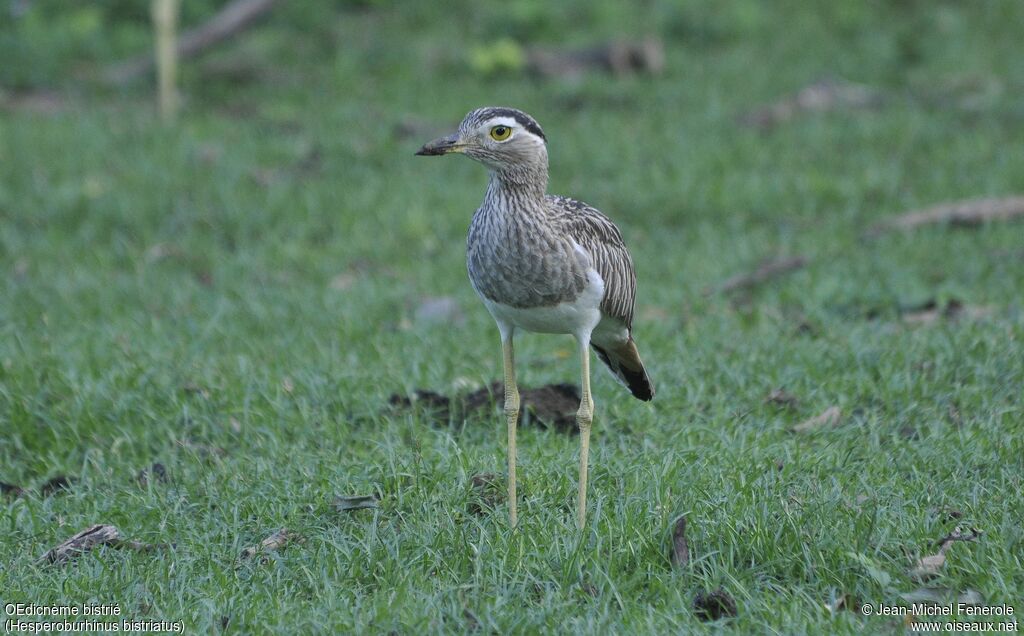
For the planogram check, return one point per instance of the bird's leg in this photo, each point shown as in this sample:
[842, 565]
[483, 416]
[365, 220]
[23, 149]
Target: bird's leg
[511, 416]
[584, 418]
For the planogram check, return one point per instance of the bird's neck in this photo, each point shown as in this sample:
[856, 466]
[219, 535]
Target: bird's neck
[521, 186]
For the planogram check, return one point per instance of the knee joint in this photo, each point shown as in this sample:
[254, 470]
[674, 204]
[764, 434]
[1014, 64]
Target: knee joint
[512, 404]
[585, 416]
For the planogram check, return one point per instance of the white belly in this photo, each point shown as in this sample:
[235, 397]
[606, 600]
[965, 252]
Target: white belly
[577, 317]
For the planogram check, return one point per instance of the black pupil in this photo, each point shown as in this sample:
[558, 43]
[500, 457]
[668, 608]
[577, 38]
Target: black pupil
[500, 131]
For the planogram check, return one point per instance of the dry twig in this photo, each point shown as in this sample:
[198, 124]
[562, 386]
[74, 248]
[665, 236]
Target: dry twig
[231, 20]
[966, 213]
[767, 270]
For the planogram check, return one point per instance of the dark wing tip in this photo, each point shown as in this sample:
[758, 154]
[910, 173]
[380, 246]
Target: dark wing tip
[639, 385]
[636, 380]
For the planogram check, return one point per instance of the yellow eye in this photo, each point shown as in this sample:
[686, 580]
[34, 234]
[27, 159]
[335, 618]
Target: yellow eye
[500, 133]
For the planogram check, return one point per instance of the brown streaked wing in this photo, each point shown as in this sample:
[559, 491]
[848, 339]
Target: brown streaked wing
[602, 240]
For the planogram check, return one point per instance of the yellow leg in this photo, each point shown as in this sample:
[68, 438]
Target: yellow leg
[511, 417]
[584, 418]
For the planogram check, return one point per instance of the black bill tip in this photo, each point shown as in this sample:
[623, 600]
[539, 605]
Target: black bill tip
[441, 146]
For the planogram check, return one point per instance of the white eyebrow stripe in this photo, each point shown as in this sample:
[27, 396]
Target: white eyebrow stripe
[502, 121]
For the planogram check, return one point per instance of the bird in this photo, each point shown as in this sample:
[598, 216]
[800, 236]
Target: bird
[547, 264]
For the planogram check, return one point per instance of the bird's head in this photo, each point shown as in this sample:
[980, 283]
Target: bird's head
[503, 139]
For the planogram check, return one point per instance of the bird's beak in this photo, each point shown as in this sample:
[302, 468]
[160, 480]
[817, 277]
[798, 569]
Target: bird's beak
[441, 146]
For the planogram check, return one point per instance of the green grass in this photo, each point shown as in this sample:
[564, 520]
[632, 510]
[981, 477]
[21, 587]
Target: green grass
[167, 291]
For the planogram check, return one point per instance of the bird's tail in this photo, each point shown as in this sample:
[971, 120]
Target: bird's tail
[624, 362]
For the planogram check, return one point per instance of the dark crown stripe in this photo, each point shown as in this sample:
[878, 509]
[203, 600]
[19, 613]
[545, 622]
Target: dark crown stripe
[524, 120]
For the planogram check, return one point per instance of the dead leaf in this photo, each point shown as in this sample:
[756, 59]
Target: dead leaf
[822, 96]
[965, 213]
[55, 485]
[488, 493]
[711, 606]
[780, 397]
[830, 418]
[680, 553]
[288, 385]
[358, 502]
[765, 271]
[276, 541]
